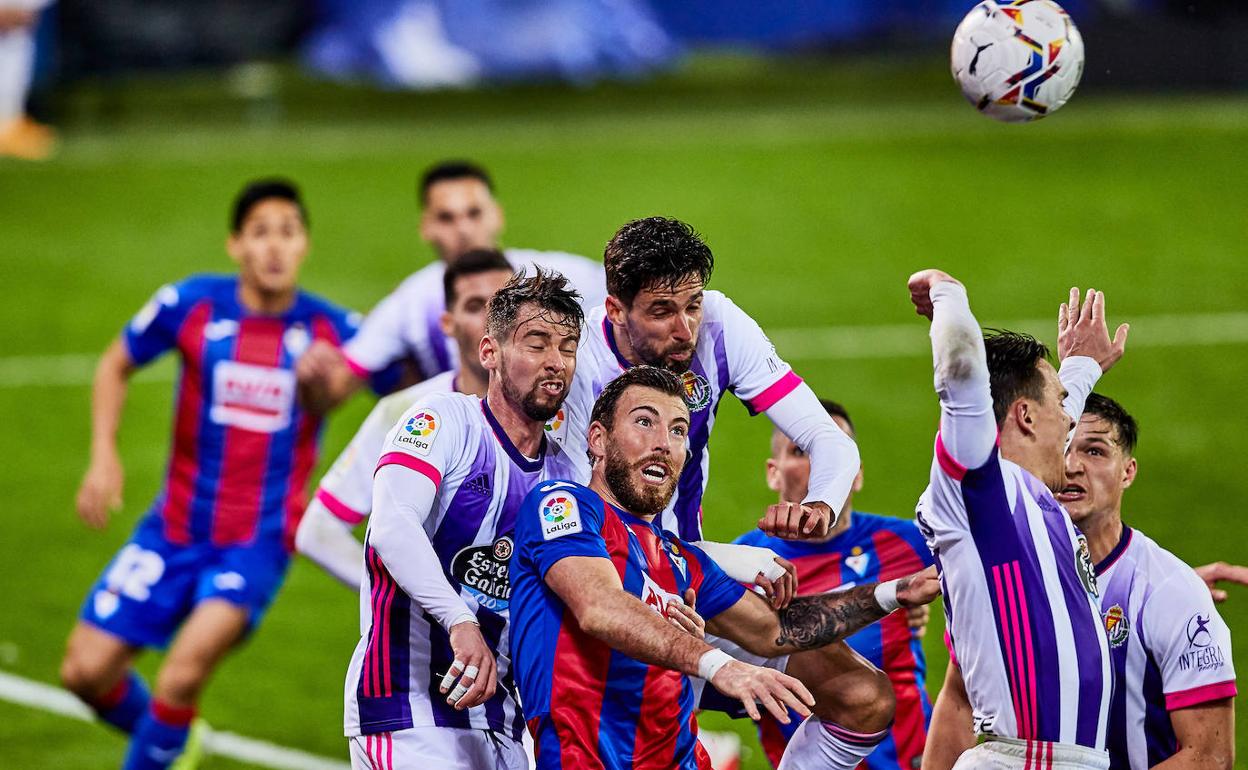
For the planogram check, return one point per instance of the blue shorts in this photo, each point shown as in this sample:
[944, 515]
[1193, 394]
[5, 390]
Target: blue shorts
[152, 585]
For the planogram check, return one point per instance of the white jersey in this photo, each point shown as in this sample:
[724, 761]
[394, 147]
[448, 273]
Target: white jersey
[732, 355]
[407, 322]
[480, 479]
[347, 487]
[1170, 648]
[1018, 583]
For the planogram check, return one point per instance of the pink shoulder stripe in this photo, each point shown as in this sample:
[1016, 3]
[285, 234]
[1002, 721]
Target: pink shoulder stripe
[955, 469]
[1198, 695]
[414, 463]
[339, 508]
[774, 392]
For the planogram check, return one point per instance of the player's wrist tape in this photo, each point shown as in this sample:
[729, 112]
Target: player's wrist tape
[886, 595]
[711, 662]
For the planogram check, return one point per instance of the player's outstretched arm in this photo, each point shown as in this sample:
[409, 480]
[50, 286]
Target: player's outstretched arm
[100, 491]
[1219, 571]
[968, 428]
[819, 619]
[591, 589]
[327, 540]
[952, 730]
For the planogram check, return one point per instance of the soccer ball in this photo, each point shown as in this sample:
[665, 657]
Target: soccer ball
[1017, 61]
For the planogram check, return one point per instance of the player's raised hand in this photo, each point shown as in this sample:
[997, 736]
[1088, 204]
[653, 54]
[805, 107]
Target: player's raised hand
[920, 285]
[781, 590]
[916, 619]
[795, 521]
[685, 617]
[1082, 331]
[918, 589]
[471, 679]
[1218, 571]
[754, 685]
[100, 492]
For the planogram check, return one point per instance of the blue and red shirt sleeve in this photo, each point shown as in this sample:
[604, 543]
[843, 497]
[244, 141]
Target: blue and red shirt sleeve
[154, 329]
[559, 519]
[715, 591]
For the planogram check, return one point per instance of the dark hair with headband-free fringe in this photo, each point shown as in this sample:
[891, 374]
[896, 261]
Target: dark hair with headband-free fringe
[1112, 412]
[640, 376]
[259, 190]
[654, 253]
[1013, 359]
[472, 263]
[547, 289]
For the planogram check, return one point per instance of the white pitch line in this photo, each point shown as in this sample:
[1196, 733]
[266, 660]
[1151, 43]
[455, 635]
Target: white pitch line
[37, 695]
[820, 343]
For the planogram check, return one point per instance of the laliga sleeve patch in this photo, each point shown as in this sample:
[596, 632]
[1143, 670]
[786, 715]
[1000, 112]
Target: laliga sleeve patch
[419, 431]
[560, 515]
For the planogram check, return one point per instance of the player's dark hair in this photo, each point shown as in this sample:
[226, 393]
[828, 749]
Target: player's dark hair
[260, 190]
[642, 376]
[1112, 412]
[1013, 359]
[549, 290]
[654, 253]
[450, 170]
[471, 263]
[834, 409]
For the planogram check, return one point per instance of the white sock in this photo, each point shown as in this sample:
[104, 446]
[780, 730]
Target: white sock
[819, 745]
[17, 57]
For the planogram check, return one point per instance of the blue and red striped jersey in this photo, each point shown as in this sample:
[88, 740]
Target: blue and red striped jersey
[242, 445]
[588, 705]
[872, 549]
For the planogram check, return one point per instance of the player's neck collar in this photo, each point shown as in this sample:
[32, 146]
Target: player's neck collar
[608, 332]
[517, 457]
[1124, 541]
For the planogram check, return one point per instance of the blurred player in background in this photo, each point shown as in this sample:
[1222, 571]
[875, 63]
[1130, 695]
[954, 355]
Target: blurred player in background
[599, 588]
[1019, 586]
[860, 547]
[20, 137]
[211, 553]
[345, 495]
[458, 214]
[431, 678]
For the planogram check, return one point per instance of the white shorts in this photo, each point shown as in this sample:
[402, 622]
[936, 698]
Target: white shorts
[710, 699]
[437, 748]
[1016, 754]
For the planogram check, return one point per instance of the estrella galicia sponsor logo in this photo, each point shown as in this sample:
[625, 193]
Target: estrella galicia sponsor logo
[697, 391]
[419, 431]
[1203, 652]
[1083, 565]
[1117, 627]
[485, 572]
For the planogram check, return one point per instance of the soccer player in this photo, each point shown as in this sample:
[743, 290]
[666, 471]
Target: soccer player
[1017, 579]
[861, 547]
[20, 137]
[458, 214]
[431, 678]
[602, 666]
[1174, 681]
[345, 495]
[211, 553]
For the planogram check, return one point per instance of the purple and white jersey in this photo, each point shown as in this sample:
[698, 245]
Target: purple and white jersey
[407, 322]
[732, 355]
[1020, 593]
[479, 479]
[1170, 648]
[347, 487]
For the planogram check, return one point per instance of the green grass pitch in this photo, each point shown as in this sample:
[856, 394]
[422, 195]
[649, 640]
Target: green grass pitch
[820, 188]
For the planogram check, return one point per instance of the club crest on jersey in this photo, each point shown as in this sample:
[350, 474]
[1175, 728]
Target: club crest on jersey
[419, 431]
[677, 557]
[484, 571]
[560, 515]
[858, 561]
[1117, 627]
[296, 340]
[1083, 565]
[697, 391]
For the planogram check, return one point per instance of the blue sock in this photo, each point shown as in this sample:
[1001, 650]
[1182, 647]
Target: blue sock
[123, 705]
[158, 737]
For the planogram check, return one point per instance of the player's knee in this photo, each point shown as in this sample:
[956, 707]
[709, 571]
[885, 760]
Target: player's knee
[864, 701]
[85, 676]
[179, 682]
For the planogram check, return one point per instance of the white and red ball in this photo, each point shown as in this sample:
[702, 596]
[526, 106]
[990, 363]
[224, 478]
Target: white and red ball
[1017, 61]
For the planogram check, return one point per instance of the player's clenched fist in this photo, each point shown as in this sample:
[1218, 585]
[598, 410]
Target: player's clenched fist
[795, 521]
[100, 492]
[920, 285]
[471, 679]
[753, 685]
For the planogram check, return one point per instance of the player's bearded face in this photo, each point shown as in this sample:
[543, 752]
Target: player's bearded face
[270, 246]
[645, 450]
[538, 362]
[662, 325]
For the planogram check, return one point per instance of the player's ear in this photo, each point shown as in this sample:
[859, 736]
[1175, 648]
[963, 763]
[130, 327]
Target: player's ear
[773, 475]
[1023, 415]
[444, 321]
[597, 440]
[1128, 473]
[488, 352]
[857, 486]
[234, 247]
[616, 311]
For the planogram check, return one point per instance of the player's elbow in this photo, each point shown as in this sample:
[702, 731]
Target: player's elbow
[596, 620]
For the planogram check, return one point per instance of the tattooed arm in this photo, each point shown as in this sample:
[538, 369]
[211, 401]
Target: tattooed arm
[816, 620]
